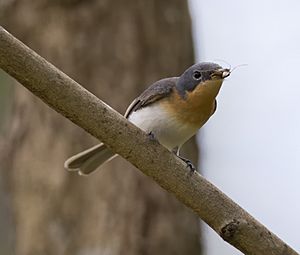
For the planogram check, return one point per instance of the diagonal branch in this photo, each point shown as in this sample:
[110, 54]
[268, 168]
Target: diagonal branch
[71, 100]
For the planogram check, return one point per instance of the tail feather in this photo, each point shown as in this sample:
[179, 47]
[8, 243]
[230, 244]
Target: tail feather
[89, 160]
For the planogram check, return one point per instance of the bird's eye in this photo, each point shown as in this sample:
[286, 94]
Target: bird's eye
[197, 75]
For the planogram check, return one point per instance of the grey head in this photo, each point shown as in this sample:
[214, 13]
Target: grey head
[200, 73]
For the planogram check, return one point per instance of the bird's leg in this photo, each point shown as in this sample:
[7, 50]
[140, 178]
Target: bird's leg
[152, 136]
[189, 163]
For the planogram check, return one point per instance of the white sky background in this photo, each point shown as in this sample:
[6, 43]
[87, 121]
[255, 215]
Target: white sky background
[250, 148]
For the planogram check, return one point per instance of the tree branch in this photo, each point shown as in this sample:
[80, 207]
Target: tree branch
[67, 97]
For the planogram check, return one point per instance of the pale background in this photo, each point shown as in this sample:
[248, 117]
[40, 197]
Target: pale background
[251, 146]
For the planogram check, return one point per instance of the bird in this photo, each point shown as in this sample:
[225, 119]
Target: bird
[170, 110]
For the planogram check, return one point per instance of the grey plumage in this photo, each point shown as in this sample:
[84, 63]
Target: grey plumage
[87, 161]
[155, 92]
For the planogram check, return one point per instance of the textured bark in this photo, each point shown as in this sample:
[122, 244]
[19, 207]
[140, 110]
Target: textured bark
[116, 48]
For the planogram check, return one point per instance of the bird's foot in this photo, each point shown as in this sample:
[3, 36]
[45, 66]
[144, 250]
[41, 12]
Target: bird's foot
[189, 164]
[152, 136]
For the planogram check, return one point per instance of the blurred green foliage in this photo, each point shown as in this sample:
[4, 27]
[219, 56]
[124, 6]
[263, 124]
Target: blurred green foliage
[5, 97]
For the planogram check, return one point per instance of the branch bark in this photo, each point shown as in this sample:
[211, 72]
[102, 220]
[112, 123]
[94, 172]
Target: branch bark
[67, 97]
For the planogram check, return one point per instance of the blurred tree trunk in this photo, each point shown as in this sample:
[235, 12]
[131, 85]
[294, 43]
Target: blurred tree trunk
[115, 48]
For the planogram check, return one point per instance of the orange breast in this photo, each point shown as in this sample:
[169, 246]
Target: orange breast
[195, 109]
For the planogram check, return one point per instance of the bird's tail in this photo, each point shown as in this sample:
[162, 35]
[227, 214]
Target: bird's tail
[89, 160]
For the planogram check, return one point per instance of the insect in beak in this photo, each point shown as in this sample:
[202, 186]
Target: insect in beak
[226, 73]
[221, 73]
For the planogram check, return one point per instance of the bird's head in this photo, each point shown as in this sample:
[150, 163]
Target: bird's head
[205, 78]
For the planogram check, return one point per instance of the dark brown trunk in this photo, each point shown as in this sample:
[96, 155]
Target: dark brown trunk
[115, 48]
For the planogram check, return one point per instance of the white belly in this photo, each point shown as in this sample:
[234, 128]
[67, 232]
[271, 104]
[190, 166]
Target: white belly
[167, 130]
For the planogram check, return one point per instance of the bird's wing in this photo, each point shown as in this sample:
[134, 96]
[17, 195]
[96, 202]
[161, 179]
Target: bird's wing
[155, 92]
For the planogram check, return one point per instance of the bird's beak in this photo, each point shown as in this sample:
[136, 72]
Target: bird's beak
[220, 73]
